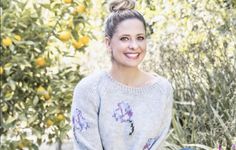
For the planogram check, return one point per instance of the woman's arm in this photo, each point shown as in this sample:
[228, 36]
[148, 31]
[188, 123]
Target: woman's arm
[166, 122]
[84, 118]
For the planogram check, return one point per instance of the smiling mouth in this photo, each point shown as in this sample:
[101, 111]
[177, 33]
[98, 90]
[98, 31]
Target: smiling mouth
[132, 55]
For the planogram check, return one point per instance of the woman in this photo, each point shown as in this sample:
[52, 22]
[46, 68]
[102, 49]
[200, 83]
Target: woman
[124, 108]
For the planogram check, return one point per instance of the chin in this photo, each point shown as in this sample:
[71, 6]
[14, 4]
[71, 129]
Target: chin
[131, 64]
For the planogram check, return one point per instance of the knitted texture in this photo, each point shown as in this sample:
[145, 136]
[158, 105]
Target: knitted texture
[107, 114]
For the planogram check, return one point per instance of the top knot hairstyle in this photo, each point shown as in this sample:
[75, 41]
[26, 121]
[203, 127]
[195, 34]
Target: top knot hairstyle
[121, 10]
[117, 5]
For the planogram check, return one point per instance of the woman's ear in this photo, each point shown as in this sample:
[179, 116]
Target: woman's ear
[108, 44]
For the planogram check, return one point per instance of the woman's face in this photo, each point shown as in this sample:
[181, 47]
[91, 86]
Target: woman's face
[128, 44]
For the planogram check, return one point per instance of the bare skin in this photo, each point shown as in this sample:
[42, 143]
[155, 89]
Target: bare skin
[132, 77]
[128, 48]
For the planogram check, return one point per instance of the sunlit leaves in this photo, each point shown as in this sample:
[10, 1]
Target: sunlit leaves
[196, 41]
[34, 96]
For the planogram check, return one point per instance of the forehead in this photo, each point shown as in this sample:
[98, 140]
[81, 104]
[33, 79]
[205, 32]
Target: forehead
[130, 26]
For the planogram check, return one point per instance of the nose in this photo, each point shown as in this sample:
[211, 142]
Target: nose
[133, 44]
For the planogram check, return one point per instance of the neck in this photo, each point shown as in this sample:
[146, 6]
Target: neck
[128, 76]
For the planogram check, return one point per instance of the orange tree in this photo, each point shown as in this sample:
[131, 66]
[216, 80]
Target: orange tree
[36, 86]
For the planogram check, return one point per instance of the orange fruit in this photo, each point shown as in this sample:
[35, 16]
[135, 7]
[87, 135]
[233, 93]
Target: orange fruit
[41, 90]
[1, 70]
[49, 123]
[77, 44]
[64, 36]
[17, 37]
[68, 1]
[80, 9]
[46, 95]
[85, 40]
[40, 62]
[7, 41]
[60, 117]
[21, 145]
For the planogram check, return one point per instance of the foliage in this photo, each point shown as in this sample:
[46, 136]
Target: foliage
[197, 53]
[43, 57]
[193, 44]
[36, 86]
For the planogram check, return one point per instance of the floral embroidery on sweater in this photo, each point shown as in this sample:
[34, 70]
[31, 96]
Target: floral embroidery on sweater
[150, 143]
[123, 113]
[79, 121]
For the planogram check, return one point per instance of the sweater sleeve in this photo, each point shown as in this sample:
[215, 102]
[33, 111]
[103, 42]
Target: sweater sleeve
[166, 121]
[84, 118]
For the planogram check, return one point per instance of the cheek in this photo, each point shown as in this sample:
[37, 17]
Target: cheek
[119, 47]
[144, 46]
[115, 44]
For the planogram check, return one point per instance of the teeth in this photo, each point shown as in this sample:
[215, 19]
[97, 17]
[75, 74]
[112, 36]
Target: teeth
[131, 55]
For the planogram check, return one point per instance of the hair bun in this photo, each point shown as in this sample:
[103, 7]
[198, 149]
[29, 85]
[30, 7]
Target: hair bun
[117, 5]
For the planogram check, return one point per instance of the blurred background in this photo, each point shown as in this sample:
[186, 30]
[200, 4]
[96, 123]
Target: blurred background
[47, 46]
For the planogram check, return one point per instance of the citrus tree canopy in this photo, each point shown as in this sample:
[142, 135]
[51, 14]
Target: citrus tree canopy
[36, 83]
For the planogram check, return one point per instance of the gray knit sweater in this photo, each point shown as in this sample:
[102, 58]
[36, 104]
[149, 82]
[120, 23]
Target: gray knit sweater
[107, 114]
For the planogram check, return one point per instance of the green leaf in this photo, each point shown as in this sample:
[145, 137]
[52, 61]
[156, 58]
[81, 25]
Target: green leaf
[47, 6]
[32, 119]
[35, 100]
[11, 119]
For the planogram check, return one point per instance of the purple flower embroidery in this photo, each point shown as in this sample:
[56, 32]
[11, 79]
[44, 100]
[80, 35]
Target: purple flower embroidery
[123, 114]
[149, 143]
[152, 141]
[79, 121]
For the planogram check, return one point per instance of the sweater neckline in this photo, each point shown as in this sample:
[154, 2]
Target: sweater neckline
[141, 89]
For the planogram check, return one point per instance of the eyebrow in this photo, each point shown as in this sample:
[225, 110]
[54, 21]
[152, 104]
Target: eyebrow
[143, 34]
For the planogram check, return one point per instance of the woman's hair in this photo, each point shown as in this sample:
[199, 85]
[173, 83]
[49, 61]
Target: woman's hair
[121, 10]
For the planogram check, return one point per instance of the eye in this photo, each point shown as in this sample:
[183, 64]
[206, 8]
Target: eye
[124, 38]
[140, 38]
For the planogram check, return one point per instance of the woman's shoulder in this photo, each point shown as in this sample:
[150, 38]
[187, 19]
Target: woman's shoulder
[163, 82]
[90, 81]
